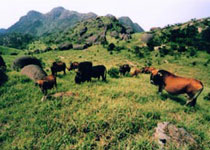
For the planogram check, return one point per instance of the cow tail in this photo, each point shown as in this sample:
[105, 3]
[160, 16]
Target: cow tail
[199, 92]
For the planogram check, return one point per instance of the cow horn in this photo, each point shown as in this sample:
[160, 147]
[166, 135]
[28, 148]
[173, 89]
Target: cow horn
[160, 74]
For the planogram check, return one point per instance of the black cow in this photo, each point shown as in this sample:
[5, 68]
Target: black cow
[84, 72]
[124, 69]
[57, 67]
[99, 71]
[73, 66]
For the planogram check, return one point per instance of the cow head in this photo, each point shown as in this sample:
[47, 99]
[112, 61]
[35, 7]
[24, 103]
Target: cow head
[53, 70]
[73, 65]
[156, 77]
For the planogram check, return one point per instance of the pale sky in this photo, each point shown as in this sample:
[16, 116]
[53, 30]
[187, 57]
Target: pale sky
[147, 13]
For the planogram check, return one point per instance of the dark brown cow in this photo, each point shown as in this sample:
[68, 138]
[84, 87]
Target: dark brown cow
[73, 66]
[177, 85]
[58, 67]
[47, 83]
[124, 69]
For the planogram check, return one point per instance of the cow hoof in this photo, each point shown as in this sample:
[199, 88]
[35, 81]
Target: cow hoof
[43, 98]
[191, 104]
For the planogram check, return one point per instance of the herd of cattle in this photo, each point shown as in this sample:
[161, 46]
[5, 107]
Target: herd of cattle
[170, 82]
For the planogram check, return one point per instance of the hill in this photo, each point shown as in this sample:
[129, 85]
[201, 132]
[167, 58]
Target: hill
[193, 35]
[36, 23]
[2, 31]
[128, 22]
[58, 19]
[16, 40]
[9, 51]
[101, 30]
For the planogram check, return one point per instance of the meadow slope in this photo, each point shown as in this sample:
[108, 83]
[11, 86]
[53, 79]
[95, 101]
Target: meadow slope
[118, 114]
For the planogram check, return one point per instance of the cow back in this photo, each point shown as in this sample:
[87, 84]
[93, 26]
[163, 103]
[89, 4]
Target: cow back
[98, 70]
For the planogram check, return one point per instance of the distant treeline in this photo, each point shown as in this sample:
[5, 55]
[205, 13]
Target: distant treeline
[16, 40]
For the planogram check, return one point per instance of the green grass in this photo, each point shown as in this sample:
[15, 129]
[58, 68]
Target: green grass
[8, 51]
[118, 114]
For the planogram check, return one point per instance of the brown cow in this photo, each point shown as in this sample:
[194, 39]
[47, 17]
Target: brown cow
[136, 72]
[73, 66]
[58, 67]
[46, 83]
[177, 85]
[147, 70]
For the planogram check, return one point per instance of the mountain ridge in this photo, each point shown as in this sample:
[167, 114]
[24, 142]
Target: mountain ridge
[58, 18]
[128, 22]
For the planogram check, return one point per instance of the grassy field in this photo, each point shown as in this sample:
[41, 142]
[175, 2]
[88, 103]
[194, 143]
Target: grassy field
[118, 114]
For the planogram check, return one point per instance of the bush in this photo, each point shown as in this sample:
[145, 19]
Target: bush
[138, 52]
[207, 62]
[111, 47]
[207, 97]
[193, 52]
[182, 48]
[163, 51]
[113, 72]
[148, 62]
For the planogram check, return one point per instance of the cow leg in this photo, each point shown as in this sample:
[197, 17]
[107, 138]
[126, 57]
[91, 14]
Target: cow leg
[191, 101]
[64, 71]
[104, 77]
[160, 89]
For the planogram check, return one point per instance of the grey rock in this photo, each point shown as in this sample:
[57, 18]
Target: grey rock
[167, 133]
[34, 72]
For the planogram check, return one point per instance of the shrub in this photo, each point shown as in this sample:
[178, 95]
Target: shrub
[138, 51]
[113, 72]
[207, 62]
[111, 47]
[207, 97]
[163, 51]
[193, 51]
[182, 48]
[148, 62]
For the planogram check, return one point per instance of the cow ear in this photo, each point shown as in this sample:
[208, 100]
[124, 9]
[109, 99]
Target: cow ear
[160, 74]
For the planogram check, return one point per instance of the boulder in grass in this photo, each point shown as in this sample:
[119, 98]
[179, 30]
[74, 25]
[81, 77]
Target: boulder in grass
[34, 72]
[82, 31]
[80, 46]
[92, 39]
[65, 46]
[23, 61]
[167, 134]
[146, 37]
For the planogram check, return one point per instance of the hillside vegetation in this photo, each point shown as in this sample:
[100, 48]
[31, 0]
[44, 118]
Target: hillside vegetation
[191, 36]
